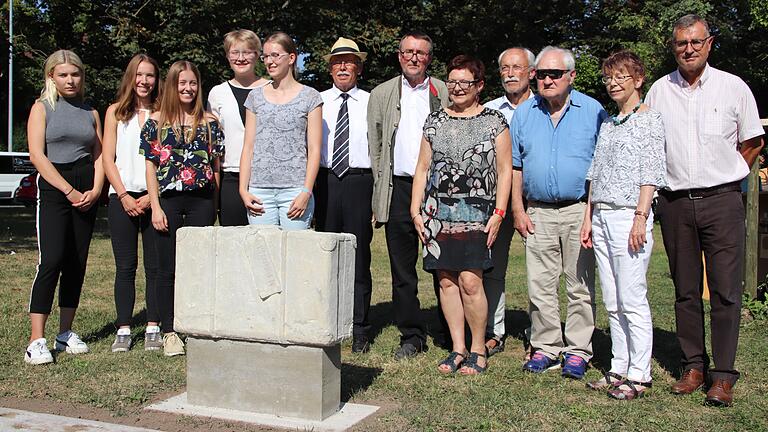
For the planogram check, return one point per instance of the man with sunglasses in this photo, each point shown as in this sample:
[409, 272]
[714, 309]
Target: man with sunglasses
[713, 136]
[553, 139]
[397, 110]
[516, 73]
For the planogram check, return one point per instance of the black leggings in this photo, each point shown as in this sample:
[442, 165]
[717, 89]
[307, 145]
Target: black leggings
[124, 230]
[232, 210]
[181, 209]
[63, 238]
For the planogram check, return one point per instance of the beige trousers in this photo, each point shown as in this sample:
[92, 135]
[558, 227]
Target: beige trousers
[555, 249]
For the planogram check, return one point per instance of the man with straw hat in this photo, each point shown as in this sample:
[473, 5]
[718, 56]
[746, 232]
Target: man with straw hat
[344, 184]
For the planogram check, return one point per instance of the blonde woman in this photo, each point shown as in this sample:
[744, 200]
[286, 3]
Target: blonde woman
[182, 144]
[64, 136]
[281, 152]
[227, 102]
[129, 212]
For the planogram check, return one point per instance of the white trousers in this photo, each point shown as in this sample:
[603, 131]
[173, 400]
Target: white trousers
[623, 283]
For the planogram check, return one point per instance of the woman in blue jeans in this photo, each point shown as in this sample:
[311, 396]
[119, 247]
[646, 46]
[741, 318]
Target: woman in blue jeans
[283, 136]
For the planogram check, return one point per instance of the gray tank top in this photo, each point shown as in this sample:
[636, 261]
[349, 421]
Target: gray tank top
[70, 131]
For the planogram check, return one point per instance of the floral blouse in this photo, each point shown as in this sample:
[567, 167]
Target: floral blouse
[183, 164]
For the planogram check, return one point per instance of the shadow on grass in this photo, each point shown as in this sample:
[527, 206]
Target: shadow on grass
[356, 379]
[109, 329]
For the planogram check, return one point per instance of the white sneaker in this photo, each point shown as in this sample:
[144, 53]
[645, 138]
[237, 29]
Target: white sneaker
[37, 352]
[172, 345]
[70, 342]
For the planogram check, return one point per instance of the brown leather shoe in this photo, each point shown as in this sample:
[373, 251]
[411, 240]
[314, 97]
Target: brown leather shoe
[721, 393]
[691, 380]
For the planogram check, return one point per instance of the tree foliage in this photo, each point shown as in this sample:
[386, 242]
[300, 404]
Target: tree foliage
[106, 33]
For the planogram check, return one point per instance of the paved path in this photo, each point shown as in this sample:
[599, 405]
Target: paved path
[17, 420]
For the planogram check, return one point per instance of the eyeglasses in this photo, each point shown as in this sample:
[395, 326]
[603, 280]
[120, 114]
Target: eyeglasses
[514, 68]
[339, 62]
[618, 79]
[409, 54]
[274, 57]
[237, 54]
[553, 74]
[463, 84]
[696, 44]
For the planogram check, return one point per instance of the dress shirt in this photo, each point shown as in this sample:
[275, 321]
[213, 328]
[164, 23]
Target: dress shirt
[505, 106]
[357, 107]
[555, 159]
[704, 125]
[414, 109]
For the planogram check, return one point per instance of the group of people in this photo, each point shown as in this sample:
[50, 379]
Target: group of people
[436, 166]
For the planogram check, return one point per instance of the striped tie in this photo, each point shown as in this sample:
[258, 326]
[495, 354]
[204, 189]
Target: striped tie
[340, 163]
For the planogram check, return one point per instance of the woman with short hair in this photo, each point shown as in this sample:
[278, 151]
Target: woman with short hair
[227, 102]
[64, 136]
[461, 187]
[629, 165]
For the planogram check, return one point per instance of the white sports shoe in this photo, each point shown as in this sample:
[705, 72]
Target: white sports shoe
[37, 352]
[70, 342]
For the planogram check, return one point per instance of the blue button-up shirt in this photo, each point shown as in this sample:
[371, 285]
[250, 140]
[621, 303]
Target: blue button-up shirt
[555, 160]
[505, 106]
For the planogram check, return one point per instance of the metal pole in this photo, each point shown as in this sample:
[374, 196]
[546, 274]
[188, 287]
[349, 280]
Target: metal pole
[10, 75]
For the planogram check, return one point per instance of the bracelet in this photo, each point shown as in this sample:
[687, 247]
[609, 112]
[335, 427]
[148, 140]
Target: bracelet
[500, 212]
[641, 213]
[304, 189]
[70, 191]
[122, 195]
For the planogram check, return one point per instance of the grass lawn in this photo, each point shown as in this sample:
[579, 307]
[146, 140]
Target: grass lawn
[413, 395]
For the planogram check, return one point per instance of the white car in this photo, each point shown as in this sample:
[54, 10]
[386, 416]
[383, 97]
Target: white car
[14, 166]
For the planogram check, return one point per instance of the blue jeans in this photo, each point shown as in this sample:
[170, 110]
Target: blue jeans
[276, 202]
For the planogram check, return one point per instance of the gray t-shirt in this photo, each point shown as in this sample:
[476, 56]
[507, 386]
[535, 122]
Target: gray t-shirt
[280, 147]
[70, 131]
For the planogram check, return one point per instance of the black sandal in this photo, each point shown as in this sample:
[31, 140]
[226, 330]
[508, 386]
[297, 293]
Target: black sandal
[471, 363]
[497, 347]
[610, 380]
[632, 392]
[450, 361]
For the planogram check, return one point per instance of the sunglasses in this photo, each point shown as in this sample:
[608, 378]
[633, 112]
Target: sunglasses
[551, 73]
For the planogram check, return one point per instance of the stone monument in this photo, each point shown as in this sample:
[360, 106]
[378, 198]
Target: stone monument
[265, 311]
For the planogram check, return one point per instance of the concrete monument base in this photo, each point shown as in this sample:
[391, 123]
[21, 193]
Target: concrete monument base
[268, 378]
[345, 418]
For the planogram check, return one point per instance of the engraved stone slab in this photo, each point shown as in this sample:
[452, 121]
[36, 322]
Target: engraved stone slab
[260, 283]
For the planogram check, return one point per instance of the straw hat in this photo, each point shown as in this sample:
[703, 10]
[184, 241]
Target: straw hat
[345, 46]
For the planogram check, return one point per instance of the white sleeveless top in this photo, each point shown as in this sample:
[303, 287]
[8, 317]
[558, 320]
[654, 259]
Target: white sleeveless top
[130, 164]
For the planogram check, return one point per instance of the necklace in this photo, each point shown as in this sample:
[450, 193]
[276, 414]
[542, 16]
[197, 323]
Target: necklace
[617, 122]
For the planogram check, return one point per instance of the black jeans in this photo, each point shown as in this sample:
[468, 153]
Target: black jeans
[232, 211]
[344, 205]
[181, 209]
[124, 231]
[63, 238]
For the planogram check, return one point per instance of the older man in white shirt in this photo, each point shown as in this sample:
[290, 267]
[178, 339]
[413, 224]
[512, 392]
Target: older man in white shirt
[516, 72]
[344, 184]
[713, 136]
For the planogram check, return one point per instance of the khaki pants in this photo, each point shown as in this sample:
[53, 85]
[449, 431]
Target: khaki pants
[555, 248]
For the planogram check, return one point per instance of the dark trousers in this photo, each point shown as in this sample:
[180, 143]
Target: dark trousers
[124, 231]
[715, 226]
[63, 238]
[232, 211]
[181, 209]
[344, 205]
[494, 279]
[403, 248]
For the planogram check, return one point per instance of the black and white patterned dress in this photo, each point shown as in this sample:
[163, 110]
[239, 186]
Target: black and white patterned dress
[460, 193]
